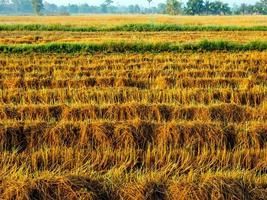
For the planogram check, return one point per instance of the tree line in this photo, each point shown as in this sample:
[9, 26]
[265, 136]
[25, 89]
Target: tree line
[172, 7]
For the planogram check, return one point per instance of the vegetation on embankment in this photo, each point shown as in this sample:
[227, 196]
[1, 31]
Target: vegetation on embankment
[127, 27]
[138, 47]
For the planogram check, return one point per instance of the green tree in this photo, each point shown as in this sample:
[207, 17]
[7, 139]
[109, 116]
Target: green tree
[22, 5]
[243, 8]
[134, 9]
[162, 8]
[218, 8]
[264, 3]
[37, 6]
[195, 7]
[17, 5]
[105, 6]
[261, 7]
[226, 9]
[109, 2]
[73, 8]
[207, 5]
[173, 7]
[3, 4]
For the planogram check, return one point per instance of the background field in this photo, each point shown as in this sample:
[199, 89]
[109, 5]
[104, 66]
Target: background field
[38, 37]
[137, 118]
[109, 20]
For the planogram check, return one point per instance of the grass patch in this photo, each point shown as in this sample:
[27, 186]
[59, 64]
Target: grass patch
[127, 27]
[123, 47]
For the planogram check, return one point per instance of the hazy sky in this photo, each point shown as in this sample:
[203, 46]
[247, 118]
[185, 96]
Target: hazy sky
[127, 2]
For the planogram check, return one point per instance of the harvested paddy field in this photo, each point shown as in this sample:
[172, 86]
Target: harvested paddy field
[104, 115]
[110, 20]
[41, 37]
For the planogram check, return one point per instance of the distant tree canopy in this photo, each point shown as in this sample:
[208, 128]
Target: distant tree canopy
[195, 7]
[106, 6]
[261, 7]
[172, 7]
[37, 6]
[216, 8]
[21, 5]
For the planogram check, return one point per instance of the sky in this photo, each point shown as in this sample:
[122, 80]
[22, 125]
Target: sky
[127, 2]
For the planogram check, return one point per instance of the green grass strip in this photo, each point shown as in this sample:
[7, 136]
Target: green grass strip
[124, 47]
[126, 27]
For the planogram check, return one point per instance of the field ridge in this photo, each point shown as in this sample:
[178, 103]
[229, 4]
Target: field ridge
[127, 27]
[136, 47]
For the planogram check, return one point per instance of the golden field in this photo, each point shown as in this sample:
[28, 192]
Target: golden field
[42, 37]
[109, 20]
[131, 126]
[184, 125]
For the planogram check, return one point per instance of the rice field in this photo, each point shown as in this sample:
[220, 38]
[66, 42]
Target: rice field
[127, 115]
[42, 37]
[110, 20]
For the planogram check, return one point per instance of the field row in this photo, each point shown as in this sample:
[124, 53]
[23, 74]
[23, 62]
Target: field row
[182, 160]
[147, 69]
[102, 96]
[162, 83]
[131, 111]
[135, 47]
[116, 184]
[86, 60]
[133, 74]
[23, 136]
[37, 37]
[110, 20]
[140, 27]
[251, 62]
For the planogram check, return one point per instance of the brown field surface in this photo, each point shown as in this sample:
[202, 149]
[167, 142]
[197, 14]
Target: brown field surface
[109, 20]
[32, 37]
[133, 126]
